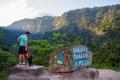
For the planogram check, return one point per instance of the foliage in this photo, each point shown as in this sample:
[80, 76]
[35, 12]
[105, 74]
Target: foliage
[41, 50]
[98, 28]
[7, 60]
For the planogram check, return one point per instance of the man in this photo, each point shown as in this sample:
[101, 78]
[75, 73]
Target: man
[23, 48]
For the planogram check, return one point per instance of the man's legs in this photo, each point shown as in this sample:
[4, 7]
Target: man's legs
[21, 55]
[20, 59]
[23, 59]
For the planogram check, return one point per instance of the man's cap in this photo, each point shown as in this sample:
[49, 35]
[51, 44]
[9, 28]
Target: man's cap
[27, 32]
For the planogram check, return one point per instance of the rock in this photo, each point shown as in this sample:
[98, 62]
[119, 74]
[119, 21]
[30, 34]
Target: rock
[107, 74]
[59, 68]
[25, 72]
[90, 73]
[78, 74]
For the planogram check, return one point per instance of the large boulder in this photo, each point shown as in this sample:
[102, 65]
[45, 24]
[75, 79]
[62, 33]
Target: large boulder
[90, 73]
[24, 72]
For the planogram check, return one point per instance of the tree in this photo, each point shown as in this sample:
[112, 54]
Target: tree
[41, 50]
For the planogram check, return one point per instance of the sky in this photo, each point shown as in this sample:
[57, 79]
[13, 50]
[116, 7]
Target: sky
[13, 10]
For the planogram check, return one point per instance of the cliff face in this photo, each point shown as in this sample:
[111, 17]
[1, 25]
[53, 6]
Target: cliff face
[90, 18]
[41, 24]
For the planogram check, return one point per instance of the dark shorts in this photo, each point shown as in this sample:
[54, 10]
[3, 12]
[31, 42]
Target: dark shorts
[21, 50]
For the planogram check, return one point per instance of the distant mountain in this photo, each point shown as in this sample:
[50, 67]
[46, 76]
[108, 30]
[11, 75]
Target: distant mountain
[90, 18]
[40, 24]
[86, 23]
[98, 28]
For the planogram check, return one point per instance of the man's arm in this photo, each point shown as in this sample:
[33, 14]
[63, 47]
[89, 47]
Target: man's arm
[18, 41]
[26, 42]
[26, 48]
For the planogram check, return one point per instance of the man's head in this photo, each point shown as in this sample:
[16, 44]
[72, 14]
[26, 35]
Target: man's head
[27, 33]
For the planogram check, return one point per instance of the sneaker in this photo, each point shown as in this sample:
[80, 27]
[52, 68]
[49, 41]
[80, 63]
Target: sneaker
[23, 63]
[20, 63]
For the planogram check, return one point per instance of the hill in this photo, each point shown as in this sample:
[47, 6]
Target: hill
[98, 28]
[88, 18]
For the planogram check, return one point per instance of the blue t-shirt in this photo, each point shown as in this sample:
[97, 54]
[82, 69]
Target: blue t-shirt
[23, 39]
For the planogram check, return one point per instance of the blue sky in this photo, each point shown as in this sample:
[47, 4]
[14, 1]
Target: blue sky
[72, 4]
[13, 10]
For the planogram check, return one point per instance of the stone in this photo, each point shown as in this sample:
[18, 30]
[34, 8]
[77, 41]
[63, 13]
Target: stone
[90, 72]
[24, 72]
[59, 68]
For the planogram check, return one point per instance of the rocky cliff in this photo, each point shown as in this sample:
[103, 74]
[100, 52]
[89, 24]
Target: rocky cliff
[90, 18]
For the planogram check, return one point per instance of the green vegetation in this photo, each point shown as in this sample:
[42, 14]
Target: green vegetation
[7, 59]
[98, 28]
[41, 50]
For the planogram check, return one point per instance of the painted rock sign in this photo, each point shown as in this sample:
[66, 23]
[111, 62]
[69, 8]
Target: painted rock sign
[70, 58]
[82, 57]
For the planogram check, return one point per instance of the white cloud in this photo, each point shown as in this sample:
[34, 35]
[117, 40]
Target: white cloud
[53, 7]
[5, 2]
[15, 11]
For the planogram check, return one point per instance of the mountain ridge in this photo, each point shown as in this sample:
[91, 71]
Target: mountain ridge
[90, 18]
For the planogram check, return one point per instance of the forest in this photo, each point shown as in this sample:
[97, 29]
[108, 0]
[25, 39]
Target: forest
[103, 40]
